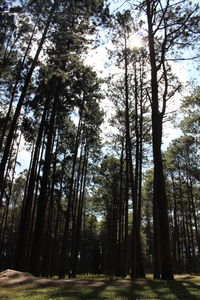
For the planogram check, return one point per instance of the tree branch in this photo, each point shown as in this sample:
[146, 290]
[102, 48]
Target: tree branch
[183, 58]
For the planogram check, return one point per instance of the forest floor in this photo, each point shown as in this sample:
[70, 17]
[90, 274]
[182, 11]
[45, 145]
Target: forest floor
[23, 286]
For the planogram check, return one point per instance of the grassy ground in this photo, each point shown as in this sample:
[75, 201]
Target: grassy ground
[183, 288]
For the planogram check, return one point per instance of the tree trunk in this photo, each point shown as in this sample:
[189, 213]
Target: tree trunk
[63, 252]
[160, 197]
[137, 267]
[79, 215]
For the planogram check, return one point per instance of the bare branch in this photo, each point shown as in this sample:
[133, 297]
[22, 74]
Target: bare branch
[178, 31]
[165, 89]
[183, 58]
[149, 96]
[163, 15]
[171, 112]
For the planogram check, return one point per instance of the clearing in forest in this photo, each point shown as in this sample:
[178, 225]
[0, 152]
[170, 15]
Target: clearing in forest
[22, 286]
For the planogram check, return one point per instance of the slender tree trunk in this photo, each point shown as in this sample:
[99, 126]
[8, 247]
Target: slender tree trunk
[185, 239]
[190, 222]
[80, 213]
[48, 239]
[137, 268]
[3, 192]
[194, 214]
[177, 251]
[160, 200]
[138, 265]
[10, 190]
[54, 261]
[75, 204]
[63, 253]
[121, 263]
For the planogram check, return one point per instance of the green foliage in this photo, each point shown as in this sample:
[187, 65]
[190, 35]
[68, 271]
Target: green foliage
[106, 187]
[191, 110]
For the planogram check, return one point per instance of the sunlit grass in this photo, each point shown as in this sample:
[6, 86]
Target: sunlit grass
[185, 288]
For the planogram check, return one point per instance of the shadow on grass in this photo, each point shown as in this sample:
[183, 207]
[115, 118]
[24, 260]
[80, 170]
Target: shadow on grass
[192, 284]
[178, 290]
[110, 289]
[184, 290]
[113, 289]
[161, 290]
[137, 290]
[83, 293]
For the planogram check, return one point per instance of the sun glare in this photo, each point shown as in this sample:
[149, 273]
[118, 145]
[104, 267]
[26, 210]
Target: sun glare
[135, 40]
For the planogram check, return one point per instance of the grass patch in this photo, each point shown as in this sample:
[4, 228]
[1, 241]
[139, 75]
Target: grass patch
[108, 289]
